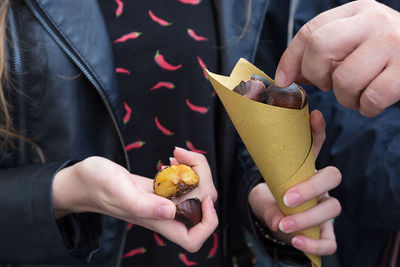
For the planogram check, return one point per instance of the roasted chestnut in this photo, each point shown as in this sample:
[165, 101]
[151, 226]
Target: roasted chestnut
[260, 89]
[175, 180]
[260, 78]
[189, 212]
[292, 96]
[253, 89]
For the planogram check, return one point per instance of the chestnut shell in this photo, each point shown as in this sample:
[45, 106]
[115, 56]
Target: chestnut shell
[252, 89]
[189, 212]
[259, 89]
[293, 96]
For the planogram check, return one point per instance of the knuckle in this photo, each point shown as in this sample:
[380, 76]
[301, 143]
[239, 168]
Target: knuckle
[372, 100]
[335, 207]
[332, 248]
[379, 16]
[201, 157]
[137, 209]
[214, 195]
[193, 247]
[306, 31]
[341, 80]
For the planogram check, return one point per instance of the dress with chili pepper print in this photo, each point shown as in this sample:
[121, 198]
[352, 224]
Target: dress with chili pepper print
[159, 48]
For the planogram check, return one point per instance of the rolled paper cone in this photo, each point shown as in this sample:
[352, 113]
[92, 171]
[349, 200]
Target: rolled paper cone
[278, 139]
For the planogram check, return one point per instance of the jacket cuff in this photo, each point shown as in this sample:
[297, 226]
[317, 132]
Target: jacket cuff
[77, 235]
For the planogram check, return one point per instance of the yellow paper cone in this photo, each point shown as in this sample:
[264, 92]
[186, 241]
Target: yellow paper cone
[278, 139]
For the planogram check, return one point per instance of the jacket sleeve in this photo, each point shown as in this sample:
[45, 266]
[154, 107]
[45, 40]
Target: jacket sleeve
[29, 232]
[367, 152]
[247, 177]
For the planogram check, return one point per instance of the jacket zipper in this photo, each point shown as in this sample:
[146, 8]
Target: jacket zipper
[84, 70]
[18, 68]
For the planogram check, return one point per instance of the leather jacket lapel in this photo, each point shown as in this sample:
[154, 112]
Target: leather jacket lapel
[80, 26]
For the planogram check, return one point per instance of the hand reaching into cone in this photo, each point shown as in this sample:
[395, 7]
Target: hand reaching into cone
[283, 227]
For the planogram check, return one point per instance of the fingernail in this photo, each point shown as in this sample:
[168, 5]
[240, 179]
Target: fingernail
[171, 159]
[165, 212]
[275, 221]
[291, 199]
[287, 226]
[179, 148]
[297, 242]
[280, 79]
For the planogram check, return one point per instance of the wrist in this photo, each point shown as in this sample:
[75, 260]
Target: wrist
[65, 192]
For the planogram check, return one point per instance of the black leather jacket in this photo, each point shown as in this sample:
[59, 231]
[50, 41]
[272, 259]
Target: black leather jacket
[64, 97]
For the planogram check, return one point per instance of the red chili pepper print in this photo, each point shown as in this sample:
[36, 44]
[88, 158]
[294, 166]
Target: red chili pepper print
[128, 113]
[160, 60]
[191, 2]
[129, 226]
[122, 70]
[128, 36]
[133, 252]
[158, 240]
[120, 8]
[167, 85]
[196, 37]
[134, 145]
[162, 22]
[160, 166]
[162, 128]
[214, 247]
[203, 66]
[186, 261]
[191, 147]
[201, 110]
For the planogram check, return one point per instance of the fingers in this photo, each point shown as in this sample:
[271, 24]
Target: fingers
[318, 130]
[327, 209]
[200, 165]
[205, 228]
[192, 239]
[264, 206]
[188, 157]
[320, 183]
[382, 92]
[359, 68]
[323, 246]
[322, 49]
[151, 206]
[289, 68]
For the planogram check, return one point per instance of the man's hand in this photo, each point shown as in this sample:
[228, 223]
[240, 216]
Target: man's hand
[354, 49]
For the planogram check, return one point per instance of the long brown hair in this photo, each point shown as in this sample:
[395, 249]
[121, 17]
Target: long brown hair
[6, 129]
[5, 118]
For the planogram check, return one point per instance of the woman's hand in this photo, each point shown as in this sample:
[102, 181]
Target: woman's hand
[266, 210]
[354, 49]
[99, 185]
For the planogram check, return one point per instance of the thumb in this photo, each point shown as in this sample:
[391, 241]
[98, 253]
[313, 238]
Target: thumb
[318, 130]
[151, 206]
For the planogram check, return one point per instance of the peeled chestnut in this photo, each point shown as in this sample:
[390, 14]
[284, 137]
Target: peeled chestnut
[189, 212]
[175, 180]
[260, 89]
[292, 96]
